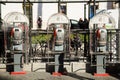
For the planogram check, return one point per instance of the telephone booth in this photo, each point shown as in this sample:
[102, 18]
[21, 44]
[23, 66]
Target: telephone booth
[16, 38]
[59, 44]
[99, 40]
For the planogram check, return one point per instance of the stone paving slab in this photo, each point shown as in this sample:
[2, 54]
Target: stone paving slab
[47, 76]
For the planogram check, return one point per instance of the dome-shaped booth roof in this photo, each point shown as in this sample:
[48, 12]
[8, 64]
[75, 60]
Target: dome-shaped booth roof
[101, 19]
[14, 17]
[58, 18]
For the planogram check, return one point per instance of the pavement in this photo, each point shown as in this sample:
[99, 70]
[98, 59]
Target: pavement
[48, 76]
[39, 73]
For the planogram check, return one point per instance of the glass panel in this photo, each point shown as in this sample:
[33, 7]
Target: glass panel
[59, 24]
[16, 32]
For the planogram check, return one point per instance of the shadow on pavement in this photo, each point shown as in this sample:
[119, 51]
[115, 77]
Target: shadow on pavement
[117, 76]
[79, 77]
[4, 78]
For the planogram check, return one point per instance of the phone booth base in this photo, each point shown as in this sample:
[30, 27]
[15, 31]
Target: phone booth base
[56, 74]
[18, 73]
[17, 62]
[105, 74]
[59, 64]
[101, 67]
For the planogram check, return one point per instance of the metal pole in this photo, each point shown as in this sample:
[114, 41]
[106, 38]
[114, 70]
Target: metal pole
[59, 6]
[94, 7]
[85, 33]
[118, 37]
[88, 11]
[84, 11]
[30, 26]
[0, 17]
[94, 26]
[119, 28]
[24, 7]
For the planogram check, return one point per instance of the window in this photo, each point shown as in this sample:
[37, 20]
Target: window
[74, 21]
[92, 9]
[63, 8]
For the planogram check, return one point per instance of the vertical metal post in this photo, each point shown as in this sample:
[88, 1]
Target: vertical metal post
[94, 26]
[119, 28]
[117, 44]
[89, 37]
[118, 38]
[30, 26]
[85, 45]
[0, 17]
[84, 11]
[24, 7]
[94, 7]
[89, 10]
[110, 48]
[59, 6]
